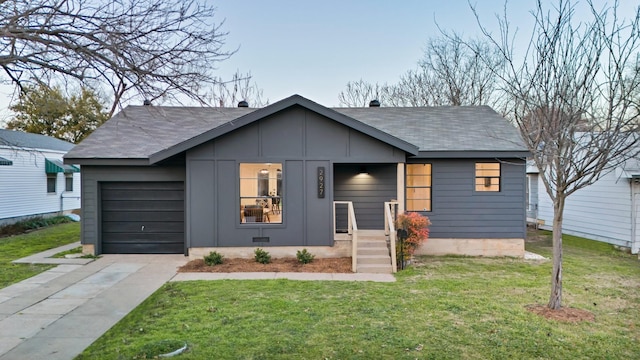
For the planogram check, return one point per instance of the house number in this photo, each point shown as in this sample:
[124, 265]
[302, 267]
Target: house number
[321, 177]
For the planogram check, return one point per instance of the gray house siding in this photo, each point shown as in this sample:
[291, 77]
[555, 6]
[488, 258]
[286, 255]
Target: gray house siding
[92, 176]
[458, 211]
[367, 191]
[299, 139]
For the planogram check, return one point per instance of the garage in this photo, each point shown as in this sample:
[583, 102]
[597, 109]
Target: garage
[142, 217]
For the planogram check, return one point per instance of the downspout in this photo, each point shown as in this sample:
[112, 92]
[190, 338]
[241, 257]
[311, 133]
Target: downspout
[62, 197]
[635, 216]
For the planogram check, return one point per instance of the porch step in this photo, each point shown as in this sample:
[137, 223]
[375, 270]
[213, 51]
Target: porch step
[375, 269]
[373, 253]
[374, 259]
[371, 244]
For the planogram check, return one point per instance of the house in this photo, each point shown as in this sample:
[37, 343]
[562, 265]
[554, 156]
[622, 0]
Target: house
[292, 174]
[34, 181]
[608, 210]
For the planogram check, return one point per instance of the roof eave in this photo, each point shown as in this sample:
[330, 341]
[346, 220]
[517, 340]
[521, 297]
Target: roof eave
[470, 154]
[107, 161]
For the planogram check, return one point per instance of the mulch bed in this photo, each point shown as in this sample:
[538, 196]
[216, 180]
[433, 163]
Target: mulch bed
[563, 314]
[331, 265]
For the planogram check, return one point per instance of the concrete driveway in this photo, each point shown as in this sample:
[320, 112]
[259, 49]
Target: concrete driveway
[59, 313]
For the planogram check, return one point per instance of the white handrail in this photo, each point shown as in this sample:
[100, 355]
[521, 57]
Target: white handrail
[390, 230]
[354, 238]
[352, 229]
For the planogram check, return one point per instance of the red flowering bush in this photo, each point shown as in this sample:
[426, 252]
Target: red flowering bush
[416, 226]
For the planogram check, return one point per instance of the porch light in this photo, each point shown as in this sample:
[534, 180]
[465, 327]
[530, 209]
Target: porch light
[363, 170]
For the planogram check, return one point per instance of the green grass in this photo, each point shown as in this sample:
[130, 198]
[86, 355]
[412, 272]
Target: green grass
[76, 250]
[19, 246]
[442, 308]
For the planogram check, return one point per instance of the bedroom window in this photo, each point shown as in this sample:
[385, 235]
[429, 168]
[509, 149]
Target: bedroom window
[418, 187]
[51, 183]
[488, 177]
[261, 193]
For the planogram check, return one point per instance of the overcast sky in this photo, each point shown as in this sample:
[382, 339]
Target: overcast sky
[314, 48]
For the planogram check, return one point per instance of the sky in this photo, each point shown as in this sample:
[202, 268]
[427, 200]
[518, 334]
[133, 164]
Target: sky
[314, 48]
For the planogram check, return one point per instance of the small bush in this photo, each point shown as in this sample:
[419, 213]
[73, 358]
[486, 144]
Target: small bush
[417, 228]
[262, 256]
[32, 224]
[214, 258]
[304, 256]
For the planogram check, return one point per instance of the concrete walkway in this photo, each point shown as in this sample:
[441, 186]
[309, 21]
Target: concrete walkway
[60, 312]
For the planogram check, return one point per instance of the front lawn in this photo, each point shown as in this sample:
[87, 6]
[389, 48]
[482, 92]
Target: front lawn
[19, 246]
[443, 308]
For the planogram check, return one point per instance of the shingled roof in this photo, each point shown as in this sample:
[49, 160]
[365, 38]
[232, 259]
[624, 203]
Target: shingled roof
[23, 140]
[148, 134]
[443, 128]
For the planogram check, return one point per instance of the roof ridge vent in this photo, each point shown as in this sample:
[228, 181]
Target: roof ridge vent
[374, 103]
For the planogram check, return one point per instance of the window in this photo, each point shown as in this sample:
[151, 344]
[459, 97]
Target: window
[68, 182]
[418, 187]
[261, 193]
[51, 183]
[488, 177]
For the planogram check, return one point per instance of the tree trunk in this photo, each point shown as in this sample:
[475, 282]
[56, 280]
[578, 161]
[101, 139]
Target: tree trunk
[555, 300]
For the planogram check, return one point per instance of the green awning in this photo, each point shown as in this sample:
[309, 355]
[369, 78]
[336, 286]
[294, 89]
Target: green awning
[57, 166]
[4, 161]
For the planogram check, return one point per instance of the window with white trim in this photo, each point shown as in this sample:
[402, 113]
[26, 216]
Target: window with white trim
[51, 183]
[68, 182]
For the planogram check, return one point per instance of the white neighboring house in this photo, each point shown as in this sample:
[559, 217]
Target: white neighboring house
[608, 210]
[33, 179]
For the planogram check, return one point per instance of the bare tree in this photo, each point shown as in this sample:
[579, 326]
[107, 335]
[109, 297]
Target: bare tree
[360, 93]
[451, 73]
[573, 94]
[154, 48]
[239, 88]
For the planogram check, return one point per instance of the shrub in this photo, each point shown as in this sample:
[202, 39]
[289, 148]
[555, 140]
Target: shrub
[32, 224]
[214, 258]
[262, 256]
[416, 226]
[304, 256]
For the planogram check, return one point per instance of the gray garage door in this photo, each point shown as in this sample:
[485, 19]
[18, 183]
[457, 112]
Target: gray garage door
[142, 217]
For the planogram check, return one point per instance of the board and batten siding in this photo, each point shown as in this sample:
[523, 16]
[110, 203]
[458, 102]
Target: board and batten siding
[601, 211]
[91, 178]
[23, 185]
[458, 211]
[299, 139]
